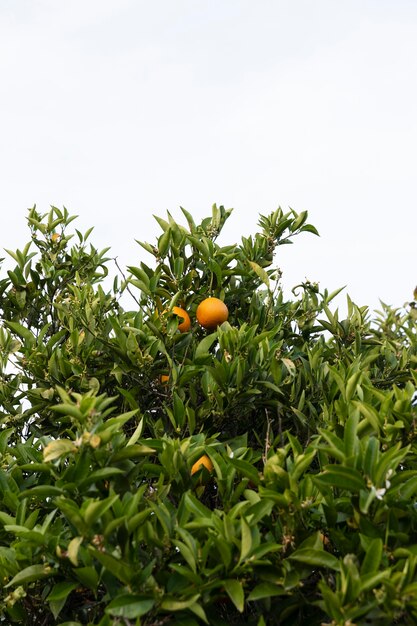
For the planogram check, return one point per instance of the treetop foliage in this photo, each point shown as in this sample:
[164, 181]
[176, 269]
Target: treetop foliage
[263, 472]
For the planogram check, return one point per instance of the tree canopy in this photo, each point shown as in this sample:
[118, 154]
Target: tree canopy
[260, 471]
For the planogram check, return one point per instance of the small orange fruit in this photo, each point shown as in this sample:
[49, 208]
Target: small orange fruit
[185, 325]
[164, 378]
[55, 237]
[212, 312]
[203, 461]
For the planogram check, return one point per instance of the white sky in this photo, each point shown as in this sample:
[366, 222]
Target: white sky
[120, 109]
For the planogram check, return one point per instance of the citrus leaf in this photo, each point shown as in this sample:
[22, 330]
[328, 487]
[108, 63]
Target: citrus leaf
[130, 606]
[30, 574]
[235, 592]
[316, 558]
[260, 272]
[266, 590]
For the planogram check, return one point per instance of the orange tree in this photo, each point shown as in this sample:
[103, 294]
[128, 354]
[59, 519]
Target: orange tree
[258, 467]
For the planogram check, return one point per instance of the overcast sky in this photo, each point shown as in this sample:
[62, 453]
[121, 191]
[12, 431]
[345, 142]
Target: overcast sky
[120, 109]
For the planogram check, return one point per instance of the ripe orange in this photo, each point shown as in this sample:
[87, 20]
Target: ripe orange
[211, 312]
[203, 461]
[164, 378]
[184, 325]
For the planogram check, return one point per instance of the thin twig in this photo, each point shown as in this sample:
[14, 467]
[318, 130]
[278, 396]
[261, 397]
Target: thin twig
[127, 283]
[267, 441]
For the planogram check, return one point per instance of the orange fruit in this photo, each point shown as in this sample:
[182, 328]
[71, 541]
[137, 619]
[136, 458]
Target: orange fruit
[55, 237]
[212, 312]
[185, 325]
[164, 378]
[203, 461]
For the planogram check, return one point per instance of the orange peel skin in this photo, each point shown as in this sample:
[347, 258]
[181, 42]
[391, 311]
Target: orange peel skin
[203, 461]
[212, 312]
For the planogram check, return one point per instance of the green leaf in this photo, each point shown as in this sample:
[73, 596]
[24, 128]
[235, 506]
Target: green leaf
[187, 554]
[5, 518]
[31, 574]
[59, 595]
[266, 590]
[20, 330]
[137, 520]
[205, 345]
[190, 220]
[263, 275]
[198, 610]
[370, 414]
[87, 576]
[351, 385]
[130, 606]
[246, 469]
[172, 604]
[373, 579]
[342, 477]
[138, 431]
[235, 592]
[163, 242]
[12, 254]
[132, 452]
[73, 548]
[56, 449]
[96, 509]
[4, 439]
[299, 220]
[350, 438]
[32, 536]
[101, 474]
[316, 558]
[371, 457]
[302, 462]
[309, 228]
[246, 540]
[195, 506]
[116, 567]
[408, 488]
[389, 460]
[258, 511]
[373, 556]
[69, 409]
[72, 513]
[140, 274]
[41, 491]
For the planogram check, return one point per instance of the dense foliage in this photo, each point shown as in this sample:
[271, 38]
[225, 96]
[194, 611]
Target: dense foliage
[306, 508]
